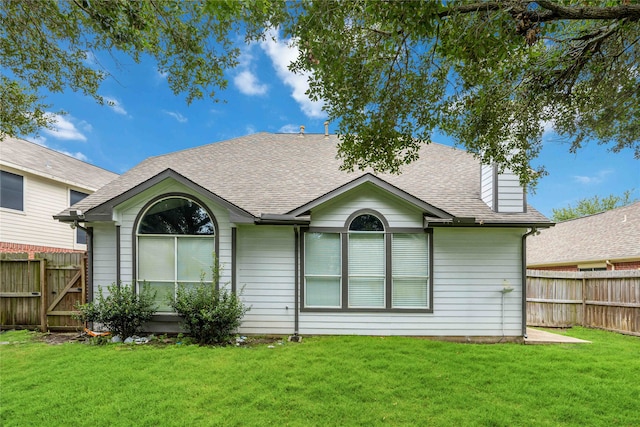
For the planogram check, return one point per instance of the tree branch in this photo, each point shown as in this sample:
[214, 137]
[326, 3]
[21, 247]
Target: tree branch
[552, 10]
[559, 12]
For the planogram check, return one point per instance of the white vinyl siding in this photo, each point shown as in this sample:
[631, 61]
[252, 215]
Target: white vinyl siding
[510, 193]
[470, 267]
[396, 211]
[104, 256]
[266, 278]
[34, 225]
[487, 184]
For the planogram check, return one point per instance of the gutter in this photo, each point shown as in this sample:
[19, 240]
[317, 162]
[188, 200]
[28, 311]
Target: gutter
[473, 222]
[296, 303]
[276, 219]
[89, 278]
[533, 230]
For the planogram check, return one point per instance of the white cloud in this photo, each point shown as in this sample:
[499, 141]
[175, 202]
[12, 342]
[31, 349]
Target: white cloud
[64, 128]
[250, 129]
[179, 117]
[282, 53]
[247, 83]
[115, 105]
[595, 179]
[289, 129]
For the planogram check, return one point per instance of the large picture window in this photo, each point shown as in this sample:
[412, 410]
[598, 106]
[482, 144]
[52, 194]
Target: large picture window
[176, 246]
[367, 266]
[11, 191]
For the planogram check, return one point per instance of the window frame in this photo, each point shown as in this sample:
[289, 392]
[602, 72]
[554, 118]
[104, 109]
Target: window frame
[81, 235]
[22, 191]
[135, 235]
[344, 246]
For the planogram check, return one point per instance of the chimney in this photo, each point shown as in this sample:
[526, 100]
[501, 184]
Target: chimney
[301, 130]
[326, 129]
[502, 192]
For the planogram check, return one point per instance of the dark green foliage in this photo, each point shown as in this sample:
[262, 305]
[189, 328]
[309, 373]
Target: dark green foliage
[123, 311]
[493, 75]
[210, 315]
[592, 206]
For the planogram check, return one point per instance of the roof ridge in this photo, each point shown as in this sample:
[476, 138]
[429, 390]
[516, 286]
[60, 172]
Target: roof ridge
[606, 211]
[53, 150]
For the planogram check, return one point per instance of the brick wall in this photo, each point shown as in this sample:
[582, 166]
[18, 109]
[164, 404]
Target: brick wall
[558, 268]
[633, 265]
[6, 247]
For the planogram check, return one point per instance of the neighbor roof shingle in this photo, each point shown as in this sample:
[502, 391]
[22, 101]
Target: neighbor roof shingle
[609, 235]
[269, 173]
[36, 159]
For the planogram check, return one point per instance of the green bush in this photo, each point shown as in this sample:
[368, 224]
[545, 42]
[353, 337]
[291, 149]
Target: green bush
[209, 315]
[123, 311]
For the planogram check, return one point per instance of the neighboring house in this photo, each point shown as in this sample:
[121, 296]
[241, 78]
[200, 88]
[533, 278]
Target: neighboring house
[317, 250]
[35, 184]
[608, 240]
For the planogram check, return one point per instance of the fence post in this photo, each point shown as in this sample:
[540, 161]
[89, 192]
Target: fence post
[43, 295]
[584, 300]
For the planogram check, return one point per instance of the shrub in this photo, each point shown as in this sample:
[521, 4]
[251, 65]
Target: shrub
[123, 311]
[210, 315]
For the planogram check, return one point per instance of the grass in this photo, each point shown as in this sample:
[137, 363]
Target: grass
[322, 381]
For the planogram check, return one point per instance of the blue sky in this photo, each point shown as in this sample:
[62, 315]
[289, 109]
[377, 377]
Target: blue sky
[145, 119]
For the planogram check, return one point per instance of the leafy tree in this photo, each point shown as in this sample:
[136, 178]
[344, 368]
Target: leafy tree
[45, 46]
[490, 74]
[590, 206]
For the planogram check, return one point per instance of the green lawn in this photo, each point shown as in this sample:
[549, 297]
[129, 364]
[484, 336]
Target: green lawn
[323, 381]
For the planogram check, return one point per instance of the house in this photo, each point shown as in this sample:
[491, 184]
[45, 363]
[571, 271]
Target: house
[35, 184]
[608, 240]
[434, 251]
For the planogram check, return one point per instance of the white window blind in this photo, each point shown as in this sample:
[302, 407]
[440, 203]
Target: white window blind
[195, 258]
[410, 266]
[156, 258]
[366, 270]
[322, 270]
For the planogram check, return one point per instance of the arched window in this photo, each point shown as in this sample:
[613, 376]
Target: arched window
[367, 266]
[176, 246]
[367, 262]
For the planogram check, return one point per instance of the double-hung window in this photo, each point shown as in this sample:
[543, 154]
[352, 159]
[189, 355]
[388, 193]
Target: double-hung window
[367, 266]
[11, 191]
[176, 247]
[367, 262]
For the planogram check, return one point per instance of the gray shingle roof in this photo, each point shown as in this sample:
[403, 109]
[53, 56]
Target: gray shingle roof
[33, 158]
[269, 173]
[609, 235]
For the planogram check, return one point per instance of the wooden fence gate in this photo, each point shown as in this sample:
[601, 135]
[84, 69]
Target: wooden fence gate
[600, 299]
[41, 292]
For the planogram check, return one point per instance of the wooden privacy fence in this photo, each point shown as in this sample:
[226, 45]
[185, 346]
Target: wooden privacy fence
[41, 292]
[599, 299]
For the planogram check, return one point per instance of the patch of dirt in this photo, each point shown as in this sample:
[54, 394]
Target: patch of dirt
[55, 338]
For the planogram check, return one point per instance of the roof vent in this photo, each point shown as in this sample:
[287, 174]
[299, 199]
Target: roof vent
[326, 129]
[301, 130]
